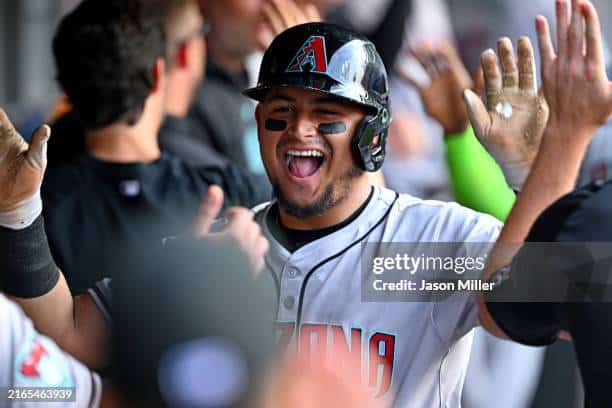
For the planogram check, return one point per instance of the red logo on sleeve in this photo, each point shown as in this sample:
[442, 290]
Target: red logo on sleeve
[29, 367]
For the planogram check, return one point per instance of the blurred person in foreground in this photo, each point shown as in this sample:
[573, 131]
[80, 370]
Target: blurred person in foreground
[123, 189]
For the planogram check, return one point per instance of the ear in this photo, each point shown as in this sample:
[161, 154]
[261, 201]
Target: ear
[159, 73]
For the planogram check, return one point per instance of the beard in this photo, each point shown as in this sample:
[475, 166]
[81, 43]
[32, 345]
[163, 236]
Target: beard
[335, 193]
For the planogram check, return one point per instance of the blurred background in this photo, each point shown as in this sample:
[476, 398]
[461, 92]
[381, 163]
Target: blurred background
[28, 89]
[416, 163]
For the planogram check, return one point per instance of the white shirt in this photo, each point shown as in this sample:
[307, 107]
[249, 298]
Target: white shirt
[412, 354]
[30, 360]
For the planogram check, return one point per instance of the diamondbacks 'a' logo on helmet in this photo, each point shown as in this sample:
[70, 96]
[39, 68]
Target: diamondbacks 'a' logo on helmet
[312, 57]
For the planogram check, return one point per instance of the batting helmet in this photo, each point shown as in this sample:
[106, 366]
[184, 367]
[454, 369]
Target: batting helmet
[330, 59]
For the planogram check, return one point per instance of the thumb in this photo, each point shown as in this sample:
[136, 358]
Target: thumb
[479, 117]
[37, 153]
[209, 210]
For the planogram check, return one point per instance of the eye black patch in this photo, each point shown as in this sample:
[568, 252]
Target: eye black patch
[332, 128]
[276, 125]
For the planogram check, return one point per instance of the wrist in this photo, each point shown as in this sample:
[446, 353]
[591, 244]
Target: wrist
[23, 215]
[456, 129]
[27, 266]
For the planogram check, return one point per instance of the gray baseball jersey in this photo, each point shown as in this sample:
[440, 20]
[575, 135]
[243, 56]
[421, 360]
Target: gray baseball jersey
[413, 354]
[30, 360]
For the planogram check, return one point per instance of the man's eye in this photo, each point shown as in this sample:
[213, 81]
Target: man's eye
[283, 109]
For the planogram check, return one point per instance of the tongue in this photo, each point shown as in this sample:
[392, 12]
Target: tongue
[303, 166]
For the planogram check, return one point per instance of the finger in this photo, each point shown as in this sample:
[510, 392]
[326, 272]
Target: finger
[404, 75]
[298, 15]
[479, 82]
[492, 75]
[209, 210]
[37, 153]
[563, 22]
[312, 13]
[547, 51]
[479, 117]
[575, 40]
[453, 60]
[594, 46]
[238, 217]
[526, 62]
[252, 231]
[273, 18]
[5, 122]
[284, 13]
[508, 63]
[423, 55]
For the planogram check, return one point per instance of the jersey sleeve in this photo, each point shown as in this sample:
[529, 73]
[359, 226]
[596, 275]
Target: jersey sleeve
[102, 295]
[477, 180]
[30, 360]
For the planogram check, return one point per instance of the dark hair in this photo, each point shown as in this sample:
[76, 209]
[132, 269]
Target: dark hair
[105, 51]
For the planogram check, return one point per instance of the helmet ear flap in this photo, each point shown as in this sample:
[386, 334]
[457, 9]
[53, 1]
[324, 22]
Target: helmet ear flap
[369, 142]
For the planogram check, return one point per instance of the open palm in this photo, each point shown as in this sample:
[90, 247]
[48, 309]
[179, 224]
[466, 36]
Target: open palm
[512, 123]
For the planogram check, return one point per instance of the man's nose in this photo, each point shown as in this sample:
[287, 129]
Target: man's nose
[303, 126]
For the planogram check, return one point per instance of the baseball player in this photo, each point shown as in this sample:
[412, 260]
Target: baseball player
[32, 363]
[323, 117]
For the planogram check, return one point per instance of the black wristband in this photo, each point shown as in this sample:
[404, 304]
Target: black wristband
[27, 269]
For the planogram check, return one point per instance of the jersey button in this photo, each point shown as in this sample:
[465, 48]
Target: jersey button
[292, 272]
[289, 302]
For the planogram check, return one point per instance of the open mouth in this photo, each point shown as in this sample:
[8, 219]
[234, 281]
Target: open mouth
[303, 163]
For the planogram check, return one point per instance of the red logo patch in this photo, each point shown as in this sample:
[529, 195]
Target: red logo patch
[29, 367]
[312, 55]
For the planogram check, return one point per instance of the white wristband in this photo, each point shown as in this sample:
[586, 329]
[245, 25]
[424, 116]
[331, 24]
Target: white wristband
[24, 215]
[516, 174]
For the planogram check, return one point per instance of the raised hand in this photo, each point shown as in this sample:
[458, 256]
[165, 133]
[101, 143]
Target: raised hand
[443, 96]
[574, 78]
[283, 14]
[512, 124]
[22, 166]
[238, 227]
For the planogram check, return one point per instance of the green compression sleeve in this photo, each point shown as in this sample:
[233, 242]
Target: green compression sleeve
[477, 180]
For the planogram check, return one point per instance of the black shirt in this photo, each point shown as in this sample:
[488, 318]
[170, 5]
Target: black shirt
[221, 115]
[95, 211]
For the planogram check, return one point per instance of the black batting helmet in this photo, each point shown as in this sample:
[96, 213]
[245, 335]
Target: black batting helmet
[330, 59]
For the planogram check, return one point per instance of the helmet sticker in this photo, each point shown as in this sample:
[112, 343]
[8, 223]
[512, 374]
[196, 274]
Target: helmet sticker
[311, 57]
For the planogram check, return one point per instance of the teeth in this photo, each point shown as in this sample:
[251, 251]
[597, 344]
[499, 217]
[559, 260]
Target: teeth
[305, 153]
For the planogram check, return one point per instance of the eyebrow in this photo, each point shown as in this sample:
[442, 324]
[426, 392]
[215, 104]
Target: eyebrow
[280, 97]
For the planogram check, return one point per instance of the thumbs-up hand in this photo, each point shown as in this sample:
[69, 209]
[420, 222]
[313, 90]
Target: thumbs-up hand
[22, 168]
[238, 227]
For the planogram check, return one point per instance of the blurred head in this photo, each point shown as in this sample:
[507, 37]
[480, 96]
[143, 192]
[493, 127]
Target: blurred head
[323, 115]
[235, 25]
[192, 339]
[110, 61]
[186, 47]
